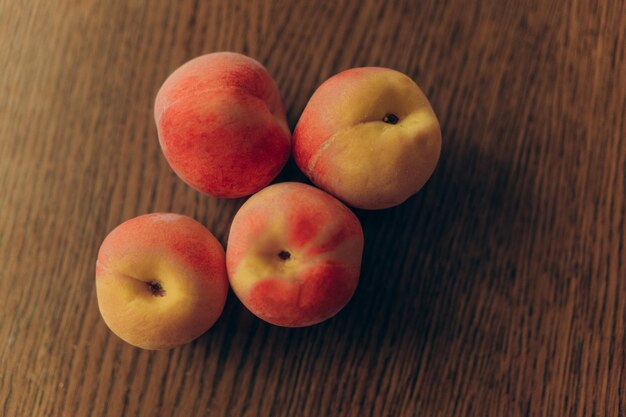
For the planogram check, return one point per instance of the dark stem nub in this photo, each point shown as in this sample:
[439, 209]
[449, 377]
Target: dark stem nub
[391, 118]
[284, 255]
[156, 289]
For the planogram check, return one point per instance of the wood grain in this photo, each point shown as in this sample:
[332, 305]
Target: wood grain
[499, 290]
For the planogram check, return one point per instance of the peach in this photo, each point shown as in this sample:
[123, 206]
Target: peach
[368, 136]
[294, 254]
[221, 125]
[160, 280]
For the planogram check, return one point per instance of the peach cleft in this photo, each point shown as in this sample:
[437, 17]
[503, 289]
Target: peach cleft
[221, 125]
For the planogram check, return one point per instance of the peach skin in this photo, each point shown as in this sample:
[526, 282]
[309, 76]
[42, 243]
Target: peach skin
[294, 254]
[160, 280]
[368, 136]
[221, 124]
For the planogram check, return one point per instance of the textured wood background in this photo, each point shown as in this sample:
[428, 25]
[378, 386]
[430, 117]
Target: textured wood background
[499, 290]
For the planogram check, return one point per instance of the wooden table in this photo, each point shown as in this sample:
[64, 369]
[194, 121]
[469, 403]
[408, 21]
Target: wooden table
[499, 290]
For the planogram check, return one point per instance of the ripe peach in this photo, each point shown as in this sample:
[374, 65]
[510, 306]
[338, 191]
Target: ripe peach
[294, 254]
[160, 280]
[368, 136]
[221, 124]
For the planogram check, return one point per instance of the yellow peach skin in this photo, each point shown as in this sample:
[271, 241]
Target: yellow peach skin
[368, 136]
[294, 254]
[160, 280]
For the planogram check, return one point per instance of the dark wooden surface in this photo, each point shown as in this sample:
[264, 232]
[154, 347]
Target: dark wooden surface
[499, 290]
